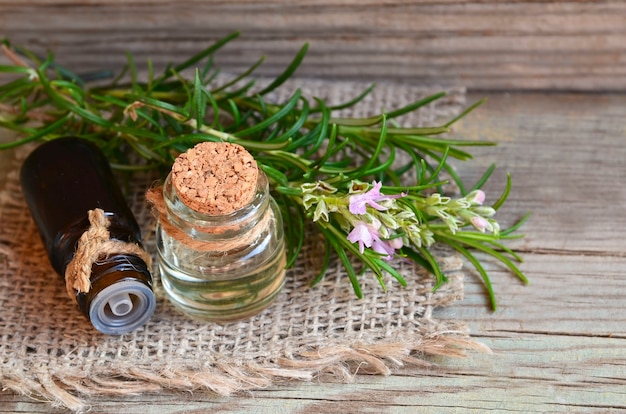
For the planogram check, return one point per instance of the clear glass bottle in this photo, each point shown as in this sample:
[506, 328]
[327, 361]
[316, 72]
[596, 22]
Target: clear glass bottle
[221, 267]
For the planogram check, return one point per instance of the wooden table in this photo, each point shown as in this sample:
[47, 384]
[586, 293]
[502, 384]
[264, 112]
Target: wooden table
[559, 345]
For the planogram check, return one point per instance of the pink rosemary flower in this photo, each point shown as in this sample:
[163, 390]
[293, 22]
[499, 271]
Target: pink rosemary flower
[386, 247]
[359, 202]
[367, 236]
[476, 197]
[363, 234]
[480, 223]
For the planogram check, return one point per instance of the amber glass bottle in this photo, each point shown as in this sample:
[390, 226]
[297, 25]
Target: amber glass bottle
[62, 180]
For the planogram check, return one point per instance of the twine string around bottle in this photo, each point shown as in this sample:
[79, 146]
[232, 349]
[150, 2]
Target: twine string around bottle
[93, 245]
[155, 197]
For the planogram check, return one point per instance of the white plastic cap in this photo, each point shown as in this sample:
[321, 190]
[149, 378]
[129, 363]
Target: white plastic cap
[122, 307]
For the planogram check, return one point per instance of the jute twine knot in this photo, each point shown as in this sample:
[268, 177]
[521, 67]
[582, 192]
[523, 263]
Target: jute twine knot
[94, 245]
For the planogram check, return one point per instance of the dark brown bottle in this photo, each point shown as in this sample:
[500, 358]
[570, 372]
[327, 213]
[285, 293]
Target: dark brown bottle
[62, 180]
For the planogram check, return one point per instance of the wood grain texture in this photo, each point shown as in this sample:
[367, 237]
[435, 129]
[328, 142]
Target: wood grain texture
[486, 44]
[559, 344]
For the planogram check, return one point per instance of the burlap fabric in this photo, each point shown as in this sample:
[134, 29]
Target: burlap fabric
[49, 350]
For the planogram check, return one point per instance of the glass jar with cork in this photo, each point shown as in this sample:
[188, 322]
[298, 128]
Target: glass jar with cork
[220, 240]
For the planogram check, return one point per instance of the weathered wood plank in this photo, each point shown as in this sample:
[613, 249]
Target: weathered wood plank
[565, 45]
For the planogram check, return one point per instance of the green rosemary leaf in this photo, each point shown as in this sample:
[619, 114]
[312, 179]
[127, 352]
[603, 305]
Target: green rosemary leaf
[262, 107]
[109, 100]
[289, 71]
[296, 127]
[60, 70]
[423, 167]
[15, 69]
[416, 161]
[33, 57]
[327, 154]
[365, 169]
[393, 272]
[289, 191]
[354, 101]
[431, 147]
[138, 132]
[345, 261]
[199, 101]
[500, 246]
[234, 111]
[119, 77]
[424, 131]
[493, 253]
[150, 76]
[286, 158]
[360, 122]
[274, 175]
[132, 70]
[260, 146]
[507, 232]
[392, 189]
[206, 78]
[49, 129]
[465, 112]
[505, 193]
[164, 106]
[75, 91]
[440, 278]
[176, 129]
[487, 238]
[65, 103]
[236, 93]
[417, 258]
[450, 171]
[484, 178]
[415, 105]
[422, 141]
[320, 132]
[216, 111]
[143, 150]
[435, 173]
[481, 270]
[199, 56]
[345, 245]
[274, 118]
[240, 77]
[381, 168]
[16, 89]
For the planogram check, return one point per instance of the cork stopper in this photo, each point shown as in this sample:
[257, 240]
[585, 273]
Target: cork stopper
[215, 178]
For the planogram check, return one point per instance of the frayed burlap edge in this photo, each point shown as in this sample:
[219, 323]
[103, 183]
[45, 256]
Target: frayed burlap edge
[337, 363]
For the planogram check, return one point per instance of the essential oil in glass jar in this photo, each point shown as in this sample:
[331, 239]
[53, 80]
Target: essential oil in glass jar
[220, 239]
[80, 212]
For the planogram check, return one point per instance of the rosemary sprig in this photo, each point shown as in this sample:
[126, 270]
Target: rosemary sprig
[337, 173]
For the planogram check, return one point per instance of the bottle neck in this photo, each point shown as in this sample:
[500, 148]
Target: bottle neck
[214, 228]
